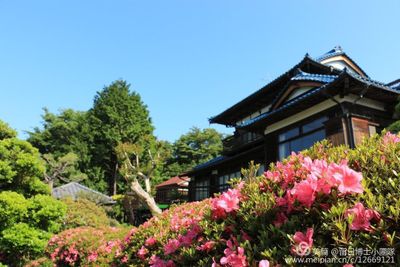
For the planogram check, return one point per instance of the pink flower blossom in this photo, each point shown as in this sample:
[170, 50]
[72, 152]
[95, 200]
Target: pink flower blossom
[151, 241]
[207, 247]
[303, 242]
[361, 217]
[349, 180]
[348, 265]
[92, 257]
[142, 253]
[305, 191]
[226, 203]
[157, 262]
[124, 259]
[263, 263]
[234, 258]
[171, 246]
[390, 138]
[280, 219]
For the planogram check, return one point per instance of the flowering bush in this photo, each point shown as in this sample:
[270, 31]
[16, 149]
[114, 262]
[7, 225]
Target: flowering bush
[83, 212]
[323, 198]
[86, 246]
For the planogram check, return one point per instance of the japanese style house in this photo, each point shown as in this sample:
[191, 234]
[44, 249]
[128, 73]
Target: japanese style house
[328, 97]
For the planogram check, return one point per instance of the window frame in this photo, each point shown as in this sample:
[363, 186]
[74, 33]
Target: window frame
[301, 132]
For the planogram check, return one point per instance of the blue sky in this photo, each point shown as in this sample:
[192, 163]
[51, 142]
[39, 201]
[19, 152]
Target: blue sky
[189, 60]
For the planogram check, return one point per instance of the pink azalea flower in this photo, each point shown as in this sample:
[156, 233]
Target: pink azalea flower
[349, 180]
[157, 262]
[124, 259]
[92, 257]
[233, 258]
[207, 247]
[227, 202]
[263, 263]
[305, 191]
[280, 219]
[361, 217]
[142, 253]
[303, 242]
[390, 138]
[171, 246]
[348, 265]
[274, 176]
[151, 241]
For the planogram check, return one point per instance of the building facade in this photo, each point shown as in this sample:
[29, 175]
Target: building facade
[173, 190]
[329, 97]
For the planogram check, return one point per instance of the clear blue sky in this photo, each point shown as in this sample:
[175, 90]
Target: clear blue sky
[188, 59]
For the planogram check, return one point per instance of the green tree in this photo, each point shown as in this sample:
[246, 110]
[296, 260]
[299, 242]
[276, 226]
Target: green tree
[28, 213]
[118, 116]
[62, 169]
[6, 131]
[65, 133]
[21, 169]
[193, 148]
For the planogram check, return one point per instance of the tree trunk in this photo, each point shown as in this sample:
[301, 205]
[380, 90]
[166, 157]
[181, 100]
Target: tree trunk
[147, 184]
[51, 184]
[114, 185]
[146, 197]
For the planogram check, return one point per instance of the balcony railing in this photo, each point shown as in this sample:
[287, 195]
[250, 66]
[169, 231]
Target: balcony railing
[235, 142]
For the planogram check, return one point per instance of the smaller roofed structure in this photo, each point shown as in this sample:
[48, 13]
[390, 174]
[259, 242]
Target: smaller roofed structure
[172, 190]
[75, 190]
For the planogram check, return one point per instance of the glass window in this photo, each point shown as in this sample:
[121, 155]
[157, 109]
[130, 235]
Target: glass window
[289, 134]
[318, 123]
[302, 137]
[261, 170]
[224, 179]
[202, 189]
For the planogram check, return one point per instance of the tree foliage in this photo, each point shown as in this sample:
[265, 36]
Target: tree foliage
[118, 116]
[62, 169]
[64, 135]
[193, 148]
[28, 214]
[21, 169]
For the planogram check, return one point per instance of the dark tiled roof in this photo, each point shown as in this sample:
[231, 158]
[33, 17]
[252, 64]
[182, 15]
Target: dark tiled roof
[307, 59]
[316, 90]
[304, 76]
[372, 82]
[395, 84]
[209, 163]
[283, 107]
[338, 51]
[75, 190]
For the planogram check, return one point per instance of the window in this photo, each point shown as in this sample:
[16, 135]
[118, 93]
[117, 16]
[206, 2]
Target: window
[224, 179]
[261, 170]
[302, 137]
[202, 189]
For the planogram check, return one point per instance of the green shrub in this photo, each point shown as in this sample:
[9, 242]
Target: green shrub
[21, 168]
[83, 212]
[46, 213]
[26, 225]
[23, 241]
[13, 208]
[318, 200]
